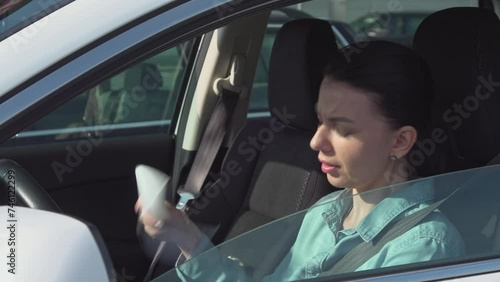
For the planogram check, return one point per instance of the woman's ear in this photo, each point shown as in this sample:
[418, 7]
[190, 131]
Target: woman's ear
[405, 137]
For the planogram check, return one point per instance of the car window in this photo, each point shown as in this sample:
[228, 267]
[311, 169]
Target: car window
[15, 13]
[139, 99]
[386, 20]
[258, 100]
[464, 227]
[496, 7]
[351, 21]
[412, 23]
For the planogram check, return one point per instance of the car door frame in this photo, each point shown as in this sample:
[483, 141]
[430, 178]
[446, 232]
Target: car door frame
[102, 59]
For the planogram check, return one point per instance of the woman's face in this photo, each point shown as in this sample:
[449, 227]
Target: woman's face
[353, 139]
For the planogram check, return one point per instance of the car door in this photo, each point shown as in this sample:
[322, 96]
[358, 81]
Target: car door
[81, 126]
[88, 164]
[84, 148]
[468, 200]
[81, 140]
[85, 151]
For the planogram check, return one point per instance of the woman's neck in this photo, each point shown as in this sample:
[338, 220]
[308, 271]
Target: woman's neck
[362, 205]
[364, 200]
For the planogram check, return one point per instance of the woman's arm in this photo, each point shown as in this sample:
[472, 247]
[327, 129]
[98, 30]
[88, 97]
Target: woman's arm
[177, 228]
[211, 265]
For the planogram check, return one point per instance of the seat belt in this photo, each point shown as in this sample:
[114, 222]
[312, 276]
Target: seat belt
[207, 151]
[209, 146]
[366, 250]
[229, 90]
[210, 142]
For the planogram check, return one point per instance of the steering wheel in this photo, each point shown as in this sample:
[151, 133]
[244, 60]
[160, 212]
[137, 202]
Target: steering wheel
[18, 184]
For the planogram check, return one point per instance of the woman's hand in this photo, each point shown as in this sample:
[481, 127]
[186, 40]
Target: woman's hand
[176, 227]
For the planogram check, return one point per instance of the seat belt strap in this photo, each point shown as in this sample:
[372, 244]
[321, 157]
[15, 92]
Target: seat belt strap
[209, 146]
[366, 250]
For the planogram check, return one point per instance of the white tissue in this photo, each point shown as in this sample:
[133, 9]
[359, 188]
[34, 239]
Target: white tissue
[151, 185]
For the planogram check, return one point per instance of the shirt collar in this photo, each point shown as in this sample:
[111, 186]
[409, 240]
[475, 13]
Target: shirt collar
[387, 210]
[336, 211]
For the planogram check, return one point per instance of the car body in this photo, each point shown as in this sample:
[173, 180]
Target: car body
[69, 57]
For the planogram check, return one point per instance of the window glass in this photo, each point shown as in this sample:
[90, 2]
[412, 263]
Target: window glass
[258, 99]
[141, 97]
[412, 23]
[464, 226]
[14, 12]
[496, 6]
[352, 21]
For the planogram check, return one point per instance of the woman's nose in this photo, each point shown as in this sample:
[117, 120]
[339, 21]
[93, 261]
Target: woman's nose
[320, 141]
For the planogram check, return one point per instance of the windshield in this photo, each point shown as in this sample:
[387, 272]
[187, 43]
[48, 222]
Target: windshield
[461, 227]
[16, 14]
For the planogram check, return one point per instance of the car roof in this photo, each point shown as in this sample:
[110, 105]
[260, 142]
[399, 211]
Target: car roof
[75, 25]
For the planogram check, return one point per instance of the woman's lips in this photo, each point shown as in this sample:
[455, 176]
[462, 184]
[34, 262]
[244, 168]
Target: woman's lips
[327, 168]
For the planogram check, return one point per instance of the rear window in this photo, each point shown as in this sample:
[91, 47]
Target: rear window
[17, 14]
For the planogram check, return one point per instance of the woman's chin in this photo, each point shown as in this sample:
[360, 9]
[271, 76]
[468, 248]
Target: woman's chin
[336, 181]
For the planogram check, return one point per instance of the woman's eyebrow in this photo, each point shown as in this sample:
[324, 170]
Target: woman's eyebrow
[336, 120]
[333, 119]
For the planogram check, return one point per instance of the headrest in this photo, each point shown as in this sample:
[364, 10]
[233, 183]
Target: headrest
[461, 47]
[301, 50]
[143, 75]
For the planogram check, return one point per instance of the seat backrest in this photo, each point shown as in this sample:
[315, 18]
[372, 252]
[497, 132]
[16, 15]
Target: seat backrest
[270, 171]
[462, 49]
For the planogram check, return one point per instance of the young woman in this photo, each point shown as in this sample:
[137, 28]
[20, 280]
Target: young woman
[373, 102]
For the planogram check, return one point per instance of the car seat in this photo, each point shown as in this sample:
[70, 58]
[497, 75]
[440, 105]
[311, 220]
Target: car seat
[140, 99]
[280, 173]
[461, 47]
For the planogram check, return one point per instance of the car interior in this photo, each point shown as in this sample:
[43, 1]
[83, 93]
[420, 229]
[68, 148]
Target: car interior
[279, 174]
[90, 174]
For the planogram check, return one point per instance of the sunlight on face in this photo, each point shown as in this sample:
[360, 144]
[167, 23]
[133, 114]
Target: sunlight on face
[353, 140]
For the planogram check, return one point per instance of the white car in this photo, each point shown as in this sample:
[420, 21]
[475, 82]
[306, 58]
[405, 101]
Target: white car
[90, 89]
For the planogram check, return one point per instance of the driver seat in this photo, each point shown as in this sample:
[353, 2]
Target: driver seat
[280, 174]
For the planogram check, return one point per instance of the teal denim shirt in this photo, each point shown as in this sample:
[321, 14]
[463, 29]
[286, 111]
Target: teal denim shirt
[321, 241]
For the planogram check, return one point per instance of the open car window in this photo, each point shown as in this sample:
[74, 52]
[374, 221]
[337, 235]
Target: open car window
[465, 227]
[138, 100]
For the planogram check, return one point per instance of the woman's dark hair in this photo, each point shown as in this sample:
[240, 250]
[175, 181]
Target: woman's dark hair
[396, 78]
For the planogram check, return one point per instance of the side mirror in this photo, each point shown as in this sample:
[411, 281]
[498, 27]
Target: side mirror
[37, 245]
